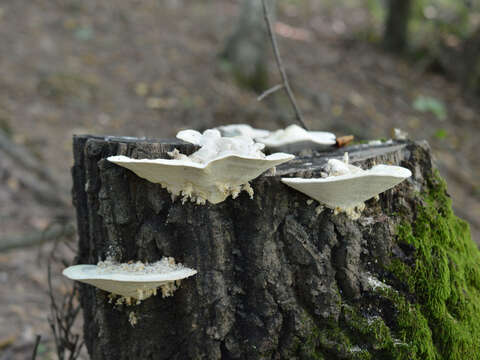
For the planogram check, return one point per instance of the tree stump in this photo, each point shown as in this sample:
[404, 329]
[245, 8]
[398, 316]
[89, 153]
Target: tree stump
[277, 280]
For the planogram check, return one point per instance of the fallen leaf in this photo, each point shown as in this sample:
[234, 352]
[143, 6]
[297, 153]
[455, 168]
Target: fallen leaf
[344, 140]
[6, 342]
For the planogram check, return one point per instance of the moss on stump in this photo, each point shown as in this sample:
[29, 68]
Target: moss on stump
[436, 316]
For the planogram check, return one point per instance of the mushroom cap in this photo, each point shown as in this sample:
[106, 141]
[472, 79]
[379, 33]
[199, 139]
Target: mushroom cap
[206, 179]
[345, 191]
[127, 284]
[297, 138]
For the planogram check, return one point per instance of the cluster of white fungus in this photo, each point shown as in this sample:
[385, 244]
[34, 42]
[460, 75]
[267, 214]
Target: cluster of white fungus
[213, 146]
[221, 167]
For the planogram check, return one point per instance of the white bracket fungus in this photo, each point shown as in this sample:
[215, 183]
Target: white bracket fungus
[346, 187]
[133, 280]
[243, 130]
[221, 167]
[294, 138]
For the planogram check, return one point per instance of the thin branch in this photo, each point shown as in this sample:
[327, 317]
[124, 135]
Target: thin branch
[35, 349]
[43, 185]
[271, 34]
[36, 238]
[38, 179]
[62, 318]
[270, 91]
[45, 193]
[24, 158]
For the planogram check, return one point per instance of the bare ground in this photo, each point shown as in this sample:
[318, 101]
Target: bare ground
[150, 68]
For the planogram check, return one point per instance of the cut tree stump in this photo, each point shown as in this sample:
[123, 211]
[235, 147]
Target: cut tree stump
[275, 279]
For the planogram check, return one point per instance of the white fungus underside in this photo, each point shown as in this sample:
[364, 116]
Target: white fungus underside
[136, 281]
[346, 187]
[213, 181]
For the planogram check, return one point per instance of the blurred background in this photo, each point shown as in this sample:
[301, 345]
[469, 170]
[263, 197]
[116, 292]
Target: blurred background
[150, 68]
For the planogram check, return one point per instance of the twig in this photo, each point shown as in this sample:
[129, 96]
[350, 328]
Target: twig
[270, 91]
[35, 349]
[63, 318]
[45, 193]
[36, 238]
[283, 74]
[23, 158]
[39, 180]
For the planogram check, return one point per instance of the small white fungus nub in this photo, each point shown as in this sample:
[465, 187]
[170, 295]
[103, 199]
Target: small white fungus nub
[336, 167]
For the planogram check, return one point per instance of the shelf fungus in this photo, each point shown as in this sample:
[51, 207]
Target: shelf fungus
[242, 130]
[345, 187]
[220, 168]
[294, 139]
[133, 281]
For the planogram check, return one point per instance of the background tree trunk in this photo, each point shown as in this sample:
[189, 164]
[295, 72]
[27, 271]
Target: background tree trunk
[275, 279]
[247, 48]
[396, 27]
[470, 71]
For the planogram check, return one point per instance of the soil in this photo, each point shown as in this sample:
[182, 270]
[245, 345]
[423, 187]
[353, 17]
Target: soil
[150, 68]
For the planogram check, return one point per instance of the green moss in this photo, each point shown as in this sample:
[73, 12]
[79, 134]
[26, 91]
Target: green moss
[321, 342]
[439, 315]
[445, 280]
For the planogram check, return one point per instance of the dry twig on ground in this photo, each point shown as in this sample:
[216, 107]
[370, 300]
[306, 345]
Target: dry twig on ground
[62, 319]
[37, 238]
[42, 184]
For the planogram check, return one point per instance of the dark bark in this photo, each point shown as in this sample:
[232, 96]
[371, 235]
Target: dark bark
[270, 270]
[396, 27]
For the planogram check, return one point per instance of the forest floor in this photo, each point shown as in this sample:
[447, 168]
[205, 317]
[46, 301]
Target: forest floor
[150, 68]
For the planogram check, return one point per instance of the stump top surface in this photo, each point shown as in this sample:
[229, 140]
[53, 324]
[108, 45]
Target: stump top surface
[306, 161]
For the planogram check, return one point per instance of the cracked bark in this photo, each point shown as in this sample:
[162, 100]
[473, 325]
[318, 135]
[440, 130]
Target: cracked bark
[270, 270]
